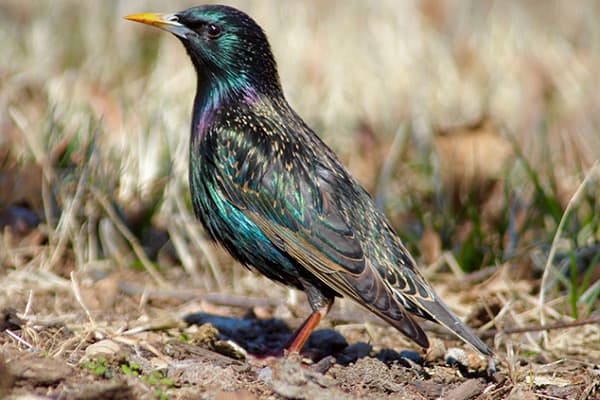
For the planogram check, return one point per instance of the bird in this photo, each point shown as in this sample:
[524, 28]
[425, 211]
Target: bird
[277, 198]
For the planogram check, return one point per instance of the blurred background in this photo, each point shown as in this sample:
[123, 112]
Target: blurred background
[473, 123]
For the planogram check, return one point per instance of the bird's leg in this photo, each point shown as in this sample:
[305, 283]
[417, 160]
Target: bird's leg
[320, 303]
[295, 343]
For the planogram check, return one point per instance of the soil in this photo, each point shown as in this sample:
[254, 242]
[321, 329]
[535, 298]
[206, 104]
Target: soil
[114, 337]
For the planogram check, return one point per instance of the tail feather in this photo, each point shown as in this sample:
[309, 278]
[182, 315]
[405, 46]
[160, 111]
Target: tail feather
[394, 306]
[440, 313]
[408, 326]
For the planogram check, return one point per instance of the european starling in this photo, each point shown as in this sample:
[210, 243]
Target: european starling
[268, 189]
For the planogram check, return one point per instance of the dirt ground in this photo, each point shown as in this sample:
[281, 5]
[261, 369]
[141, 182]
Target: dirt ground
[98, 336]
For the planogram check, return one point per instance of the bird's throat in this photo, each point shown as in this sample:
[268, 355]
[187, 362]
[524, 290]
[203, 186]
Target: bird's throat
[214, 94]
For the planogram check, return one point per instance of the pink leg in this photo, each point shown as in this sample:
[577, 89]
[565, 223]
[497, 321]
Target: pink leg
[296, 342]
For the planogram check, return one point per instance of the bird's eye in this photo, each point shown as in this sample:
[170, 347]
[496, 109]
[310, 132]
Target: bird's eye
[213, 31]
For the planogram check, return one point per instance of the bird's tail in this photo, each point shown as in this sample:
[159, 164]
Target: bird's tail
[438, 312]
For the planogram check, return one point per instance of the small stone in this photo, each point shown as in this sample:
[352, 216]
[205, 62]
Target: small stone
[470, 359]
[104, 348]
[454, 356]
[266, 374]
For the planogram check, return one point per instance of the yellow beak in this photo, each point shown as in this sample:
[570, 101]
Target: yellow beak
[157, 20]
[167, 22]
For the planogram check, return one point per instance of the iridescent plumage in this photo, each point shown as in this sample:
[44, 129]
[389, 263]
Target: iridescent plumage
[276, 197]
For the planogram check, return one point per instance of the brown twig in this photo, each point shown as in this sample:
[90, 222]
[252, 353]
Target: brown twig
[538, 328]
[222, 299]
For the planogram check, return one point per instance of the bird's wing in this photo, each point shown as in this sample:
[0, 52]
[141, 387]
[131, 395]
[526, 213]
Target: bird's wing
[305, 212]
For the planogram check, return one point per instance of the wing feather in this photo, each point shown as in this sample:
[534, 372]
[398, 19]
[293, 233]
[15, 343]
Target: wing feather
[366, 288]
[319, 216]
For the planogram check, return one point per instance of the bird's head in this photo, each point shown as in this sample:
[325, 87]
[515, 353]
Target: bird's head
[227, 47]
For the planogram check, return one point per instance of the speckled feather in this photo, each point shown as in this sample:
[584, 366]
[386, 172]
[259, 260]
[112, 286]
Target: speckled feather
[277, 198]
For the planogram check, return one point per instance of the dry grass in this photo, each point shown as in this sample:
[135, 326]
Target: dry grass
[474, 122]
